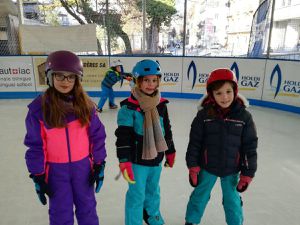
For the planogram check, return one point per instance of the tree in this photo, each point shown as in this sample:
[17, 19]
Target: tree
[52, 13]
[122, 12]
[159, 12]
[173, 33]
[84, 12]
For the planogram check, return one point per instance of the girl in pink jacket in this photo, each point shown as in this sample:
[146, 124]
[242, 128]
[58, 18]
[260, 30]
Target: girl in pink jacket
[66, 144]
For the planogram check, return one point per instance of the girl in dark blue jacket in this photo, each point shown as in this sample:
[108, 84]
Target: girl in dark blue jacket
[222, 144]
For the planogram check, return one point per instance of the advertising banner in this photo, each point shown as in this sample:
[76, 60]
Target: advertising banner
[260, 30]
[196, 71]
[16, 74]
[171, 69]
[94, 69]
[249, 74]
[282, 82]
[269, 81]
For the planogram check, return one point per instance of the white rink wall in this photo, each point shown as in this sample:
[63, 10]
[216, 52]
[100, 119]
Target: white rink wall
[265, 82]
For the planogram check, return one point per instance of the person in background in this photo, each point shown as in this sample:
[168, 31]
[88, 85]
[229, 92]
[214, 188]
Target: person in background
[223, 143]
[66, 144]
[113, 75]
[144, 137]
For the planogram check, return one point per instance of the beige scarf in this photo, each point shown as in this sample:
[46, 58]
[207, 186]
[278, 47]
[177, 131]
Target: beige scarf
[153, 139]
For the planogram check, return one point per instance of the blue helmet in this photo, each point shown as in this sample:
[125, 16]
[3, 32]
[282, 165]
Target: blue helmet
[146, 67]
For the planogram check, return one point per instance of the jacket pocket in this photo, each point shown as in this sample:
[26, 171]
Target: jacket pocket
[235, 128]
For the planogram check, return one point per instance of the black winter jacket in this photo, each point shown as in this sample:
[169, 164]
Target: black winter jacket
[223, 145]
[130, 132]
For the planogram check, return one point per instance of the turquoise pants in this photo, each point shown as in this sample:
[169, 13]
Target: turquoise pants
[144, 194]
[200, 196]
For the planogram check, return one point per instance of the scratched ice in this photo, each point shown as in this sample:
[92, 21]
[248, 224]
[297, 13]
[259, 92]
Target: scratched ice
[272, 199]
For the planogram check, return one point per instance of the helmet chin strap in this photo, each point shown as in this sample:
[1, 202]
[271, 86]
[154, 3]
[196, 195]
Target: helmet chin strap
[49, 78]
[80, 78]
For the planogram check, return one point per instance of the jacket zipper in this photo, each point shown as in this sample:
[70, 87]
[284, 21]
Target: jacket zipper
[246, 162]
[136, 151]
[68, 143]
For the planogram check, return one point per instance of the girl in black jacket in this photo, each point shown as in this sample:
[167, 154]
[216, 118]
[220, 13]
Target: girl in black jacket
[144, 137]
[223, 144]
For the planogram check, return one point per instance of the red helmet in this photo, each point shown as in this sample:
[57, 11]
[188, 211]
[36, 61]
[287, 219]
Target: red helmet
[222, 74]
[62, 61]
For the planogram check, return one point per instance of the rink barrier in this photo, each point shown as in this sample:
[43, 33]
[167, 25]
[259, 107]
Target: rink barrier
[278, 106]
[265, 82]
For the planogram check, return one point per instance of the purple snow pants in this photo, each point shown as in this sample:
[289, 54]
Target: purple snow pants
[69, 186]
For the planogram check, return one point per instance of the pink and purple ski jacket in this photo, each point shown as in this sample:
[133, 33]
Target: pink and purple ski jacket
[61, 145]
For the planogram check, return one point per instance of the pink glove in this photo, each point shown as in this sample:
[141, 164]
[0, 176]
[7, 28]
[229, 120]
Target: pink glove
[127, 172]
[193, 175]
[243, 183]
[170, 160]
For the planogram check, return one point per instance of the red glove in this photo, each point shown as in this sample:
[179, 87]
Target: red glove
[170, 160]
[193, 175]
[127, 172]
[243, 183]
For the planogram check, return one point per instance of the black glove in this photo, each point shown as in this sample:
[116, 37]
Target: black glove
[97, 176]
[41, 187]
[127, 74]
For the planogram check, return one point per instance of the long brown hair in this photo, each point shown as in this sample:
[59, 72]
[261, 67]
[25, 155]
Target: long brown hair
[55, 111]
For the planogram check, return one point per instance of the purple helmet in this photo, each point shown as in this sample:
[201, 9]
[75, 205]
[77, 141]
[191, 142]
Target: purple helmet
[62, 61]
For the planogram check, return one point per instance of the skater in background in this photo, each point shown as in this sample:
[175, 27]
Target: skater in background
[144, 137]
[66, 144]
[114, 74]
[222, 144]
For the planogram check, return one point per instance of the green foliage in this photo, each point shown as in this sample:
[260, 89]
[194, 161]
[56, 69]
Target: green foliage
[50, 13]
[159, 12]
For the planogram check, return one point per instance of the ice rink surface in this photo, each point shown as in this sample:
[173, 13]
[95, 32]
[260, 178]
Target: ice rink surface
[273, 198]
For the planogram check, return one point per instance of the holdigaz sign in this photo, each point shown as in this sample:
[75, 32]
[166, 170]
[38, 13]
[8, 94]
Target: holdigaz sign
[258, 79]
[282, 82]
[249, 77]
[283, 87]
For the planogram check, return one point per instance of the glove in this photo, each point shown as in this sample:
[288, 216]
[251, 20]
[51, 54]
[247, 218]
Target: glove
[243, 183]
[41, 187]
[97, 176]
[193, 175]
[170, 160]
[126, 169]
